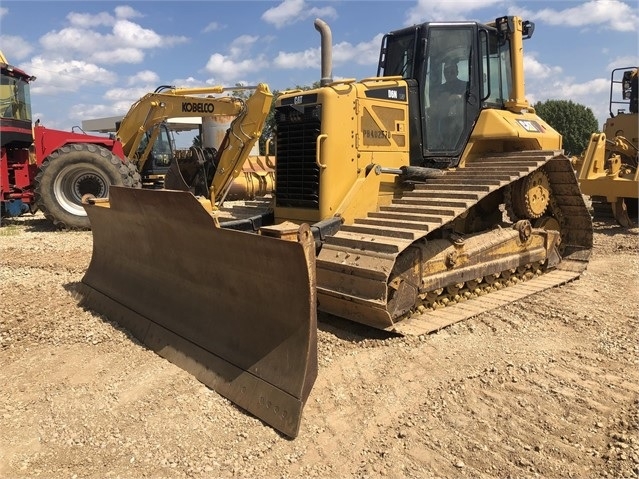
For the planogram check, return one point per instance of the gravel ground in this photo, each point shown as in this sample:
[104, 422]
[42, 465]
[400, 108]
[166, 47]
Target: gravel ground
[545, 387]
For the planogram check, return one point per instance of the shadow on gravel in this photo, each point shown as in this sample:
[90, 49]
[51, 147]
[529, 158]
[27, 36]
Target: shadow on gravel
[32, 223]
[610, 227]
[74, 288]
[350, 330]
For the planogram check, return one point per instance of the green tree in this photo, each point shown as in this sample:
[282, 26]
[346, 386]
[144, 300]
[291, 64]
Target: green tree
[573, 121]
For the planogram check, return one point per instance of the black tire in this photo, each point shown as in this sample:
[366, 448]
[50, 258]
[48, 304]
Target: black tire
[73, 171]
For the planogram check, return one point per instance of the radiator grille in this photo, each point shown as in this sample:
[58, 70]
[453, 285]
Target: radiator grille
[296, 171]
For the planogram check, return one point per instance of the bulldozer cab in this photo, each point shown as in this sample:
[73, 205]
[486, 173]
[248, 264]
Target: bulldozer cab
[460, 68]
[624, 91]
[623, 105]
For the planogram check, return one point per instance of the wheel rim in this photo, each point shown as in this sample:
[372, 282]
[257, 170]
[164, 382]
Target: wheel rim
[75, 181]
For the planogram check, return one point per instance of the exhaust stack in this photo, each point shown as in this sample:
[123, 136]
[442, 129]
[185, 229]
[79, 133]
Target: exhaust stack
[326, 51]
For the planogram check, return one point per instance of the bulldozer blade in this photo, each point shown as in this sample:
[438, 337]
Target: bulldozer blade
[164, 270]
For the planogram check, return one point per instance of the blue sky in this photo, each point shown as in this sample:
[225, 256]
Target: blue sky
[93, 59]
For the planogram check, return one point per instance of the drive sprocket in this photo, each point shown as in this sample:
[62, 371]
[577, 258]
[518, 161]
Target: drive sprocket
[529, 197]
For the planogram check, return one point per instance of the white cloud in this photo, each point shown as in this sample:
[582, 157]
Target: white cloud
[306, 59]
[82, 110]
[292, 11]
[364, 53]
[227, 68]
[533, 68]
[438, 10]
[123, 41]
[234, 66]
[285, 12]
[242, 44]
[212, 27]
[569, 90]
[118, 55]
[144, 76]
[124, 11]
[130, 33]
[552, 86]
[3, 11]
[127, 95]
[189, 82]
[57, 75]
[609, 14]
[15, 48]
[621, 62]
[86, 20]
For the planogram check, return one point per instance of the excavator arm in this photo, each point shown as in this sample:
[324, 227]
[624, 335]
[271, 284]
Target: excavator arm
[154, 108]
[245, 130]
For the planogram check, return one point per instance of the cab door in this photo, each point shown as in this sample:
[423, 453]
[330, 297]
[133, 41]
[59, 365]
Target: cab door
[449, 112]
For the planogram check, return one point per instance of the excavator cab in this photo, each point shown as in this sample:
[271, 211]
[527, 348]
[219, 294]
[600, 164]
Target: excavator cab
[158, 147]
[479, 56]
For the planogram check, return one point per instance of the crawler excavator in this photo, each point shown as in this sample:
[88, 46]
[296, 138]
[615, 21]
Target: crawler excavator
[396, 204]
[608, 170]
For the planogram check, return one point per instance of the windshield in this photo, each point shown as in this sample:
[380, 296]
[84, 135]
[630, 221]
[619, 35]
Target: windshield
[15, 101]
[400, 50]
[162, 148]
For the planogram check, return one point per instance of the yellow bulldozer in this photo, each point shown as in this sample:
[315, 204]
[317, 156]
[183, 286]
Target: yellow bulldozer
[609, 168]
[400, 202]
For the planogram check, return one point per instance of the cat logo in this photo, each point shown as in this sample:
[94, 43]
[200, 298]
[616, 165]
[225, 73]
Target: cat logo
[531, 126]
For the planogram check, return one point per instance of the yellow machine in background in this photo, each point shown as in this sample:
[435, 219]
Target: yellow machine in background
[609, 170]
[75, 166]
[211, 170]
[400, 203]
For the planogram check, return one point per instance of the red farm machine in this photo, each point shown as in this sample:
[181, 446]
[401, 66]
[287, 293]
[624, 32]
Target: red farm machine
[28, 150]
